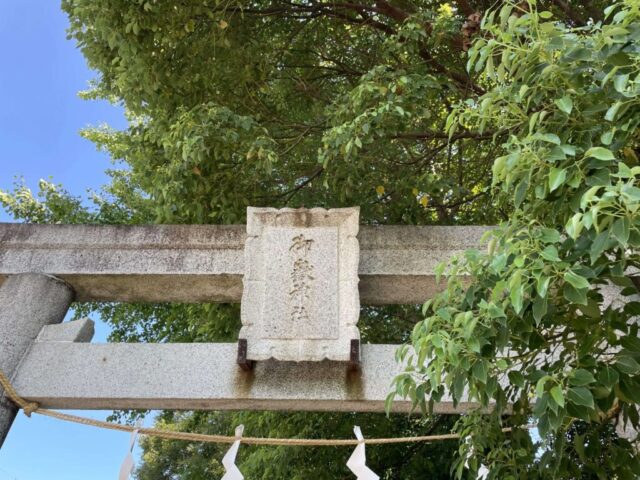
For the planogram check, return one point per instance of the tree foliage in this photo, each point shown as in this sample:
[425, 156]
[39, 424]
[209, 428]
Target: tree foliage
[278, 103]
[421, 112]
[537, 328]
[202, 461]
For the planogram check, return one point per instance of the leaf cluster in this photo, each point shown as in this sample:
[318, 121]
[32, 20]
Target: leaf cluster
[547, 326]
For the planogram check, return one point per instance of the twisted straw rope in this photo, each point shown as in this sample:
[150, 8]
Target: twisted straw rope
[27, 407]
[32, 407]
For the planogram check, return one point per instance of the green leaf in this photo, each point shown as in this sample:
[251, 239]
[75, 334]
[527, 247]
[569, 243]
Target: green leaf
[444, 314]
[550, 235]
[480, 371]
[425, 307]
[607, 137]
[576, 280]
[575, 295]
[388, 403]
[543, 426]
[549, 138]
[620, 82]
[539, 309]
[575, 225]
[612, 112]
[580, 396]
[578, 445]
[540, 385]
[621, 230]
[550, 253]
[608, 376]
[495, 311]
[565, 104]
[627, 364]
[581, 377]
[589, 195]
[557, 176]
[591, 309]
[630, 389]
[598, 246]
[557, 395]
[520, 192]
[474, 344]
[631, 343]
[516, 291]
[600, 153]
[633, 193]
[516, 378]
[542, 285]
[516, 299]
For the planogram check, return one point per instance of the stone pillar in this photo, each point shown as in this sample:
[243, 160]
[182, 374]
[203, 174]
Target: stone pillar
[28, 302]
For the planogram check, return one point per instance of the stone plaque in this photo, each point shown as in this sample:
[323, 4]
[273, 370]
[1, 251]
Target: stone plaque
[300, 300]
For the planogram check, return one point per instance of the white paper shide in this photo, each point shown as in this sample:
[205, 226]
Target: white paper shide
[357, 462]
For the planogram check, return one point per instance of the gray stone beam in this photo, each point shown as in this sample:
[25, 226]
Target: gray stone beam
[205, 263]
[74, 331]
[28, 302]
[203, 377]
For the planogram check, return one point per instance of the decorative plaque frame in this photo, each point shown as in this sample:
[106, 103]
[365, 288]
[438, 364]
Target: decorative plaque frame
[300, 300]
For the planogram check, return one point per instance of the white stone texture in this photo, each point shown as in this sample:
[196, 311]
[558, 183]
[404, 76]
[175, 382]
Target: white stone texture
[204, 376]
[300, 300]
[205, 263]
[81, 330]
[28, 302]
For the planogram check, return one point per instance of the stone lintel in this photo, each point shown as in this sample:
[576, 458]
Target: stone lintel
[205, 263]
[203, 376]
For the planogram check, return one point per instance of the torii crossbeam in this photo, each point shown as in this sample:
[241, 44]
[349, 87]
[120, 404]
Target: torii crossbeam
[43, 268]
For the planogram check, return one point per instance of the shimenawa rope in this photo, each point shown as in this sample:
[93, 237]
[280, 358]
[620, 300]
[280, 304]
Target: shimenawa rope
[32, 407]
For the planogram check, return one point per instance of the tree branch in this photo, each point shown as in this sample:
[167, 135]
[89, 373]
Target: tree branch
[431, 134]
[570, 12]
[382, 7]
[465, 7]
[390, 11]
[290, 194]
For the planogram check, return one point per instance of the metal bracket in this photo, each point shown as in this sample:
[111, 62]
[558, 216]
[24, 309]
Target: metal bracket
[243, 363]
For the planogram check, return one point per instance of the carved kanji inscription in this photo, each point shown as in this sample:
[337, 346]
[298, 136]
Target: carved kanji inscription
[300, 299]
[301, 281]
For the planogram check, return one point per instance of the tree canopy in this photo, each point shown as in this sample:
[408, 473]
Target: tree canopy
[546, 320]
[425, 112]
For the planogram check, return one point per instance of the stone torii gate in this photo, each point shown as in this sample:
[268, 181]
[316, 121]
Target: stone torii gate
[305, 274]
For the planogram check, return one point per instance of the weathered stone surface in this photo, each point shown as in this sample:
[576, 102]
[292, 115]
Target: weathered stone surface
[190, 263]
[203, 376]
[205, 263]
[75, 331]
[27, 303]
[300, 300]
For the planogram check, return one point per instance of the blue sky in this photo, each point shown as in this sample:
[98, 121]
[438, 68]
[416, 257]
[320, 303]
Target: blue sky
[40, 116]
[40, 113]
